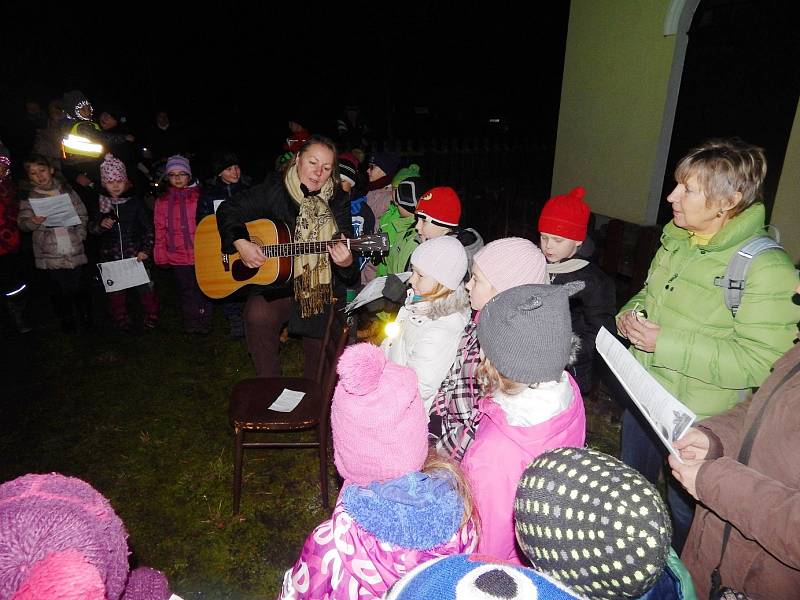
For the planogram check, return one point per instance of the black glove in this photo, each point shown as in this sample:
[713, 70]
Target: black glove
[395, 289]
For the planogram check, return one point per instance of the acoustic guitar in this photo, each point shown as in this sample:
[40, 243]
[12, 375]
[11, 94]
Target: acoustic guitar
[220, 274]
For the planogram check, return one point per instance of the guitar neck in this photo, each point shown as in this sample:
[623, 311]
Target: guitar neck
[295, 248]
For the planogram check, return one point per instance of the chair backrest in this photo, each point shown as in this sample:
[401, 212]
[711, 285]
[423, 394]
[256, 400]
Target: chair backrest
[340, 333]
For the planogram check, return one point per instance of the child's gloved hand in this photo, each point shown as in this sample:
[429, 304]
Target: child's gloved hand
[395, 289]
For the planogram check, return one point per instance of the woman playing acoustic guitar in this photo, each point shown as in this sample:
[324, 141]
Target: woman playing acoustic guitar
[307, 197]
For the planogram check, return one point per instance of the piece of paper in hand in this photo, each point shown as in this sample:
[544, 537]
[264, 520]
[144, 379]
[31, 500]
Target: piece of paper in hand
[372, 291]
[59, 210]
[287, 401]
[668, 417]
[122, 274]
[217, 203]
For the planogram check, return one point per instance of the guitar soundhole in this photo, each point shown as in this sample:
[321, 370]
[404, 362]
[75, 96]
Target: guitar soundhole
[242, 272]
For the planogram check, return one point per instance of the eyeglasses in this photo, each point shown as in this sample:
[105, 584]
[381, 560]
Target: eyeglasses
[176, 175]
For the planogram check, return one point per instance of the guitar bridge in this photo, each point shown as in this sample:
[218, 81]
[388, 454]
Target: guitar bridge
[226, 265]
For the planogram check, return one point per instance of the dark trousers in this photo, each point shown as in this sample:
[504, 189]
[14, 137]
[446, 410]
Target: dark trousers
[195, 305]
[118, 303]
[643, 451]
[263, 321]
[69, 290]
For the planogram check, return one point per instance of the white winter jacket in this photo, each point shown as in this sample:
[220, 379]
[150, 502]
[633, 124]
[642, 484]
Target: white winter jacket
[428, 339]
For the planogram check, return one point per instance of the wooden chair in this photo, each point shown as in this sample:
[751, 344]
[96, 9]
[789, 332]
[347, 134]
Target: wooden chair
[248, 409]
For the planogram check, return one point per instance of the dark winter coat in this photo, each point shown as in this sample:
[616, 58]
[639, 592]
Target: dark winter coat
[216, 189]
[133, 228]
[591, 308]
[271, 200]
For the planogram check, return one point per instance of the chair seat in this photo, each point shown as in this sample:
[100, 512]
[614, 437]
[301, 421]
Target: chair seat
[251, 398]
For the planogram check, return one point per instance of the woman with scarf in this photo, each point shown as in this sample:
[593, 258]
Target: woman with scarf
[307, 197]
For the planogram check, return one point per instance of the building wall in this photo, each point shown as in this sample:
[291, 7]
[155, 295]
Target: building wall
[616, 70]
[785, 213]
[616, 73]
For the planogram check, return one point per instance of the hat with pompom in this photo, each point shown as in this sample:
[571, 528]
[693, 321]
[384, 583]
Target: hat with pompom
[62, 540]
[566, 216]
[379, 424]
[59, 535]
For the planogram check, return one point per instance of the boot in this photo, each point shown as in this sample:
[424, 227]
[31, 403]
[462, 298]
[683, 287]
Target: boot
[16, 308]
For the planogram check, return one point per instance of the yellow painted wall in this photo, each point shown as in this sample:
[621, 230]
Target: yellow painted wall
[785, 213]
[616, 69]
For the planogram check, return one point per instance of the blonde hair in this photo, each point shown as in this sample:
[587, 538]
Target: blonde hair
[724, 167]
[436, 465]
[439, 292]
[490, 379]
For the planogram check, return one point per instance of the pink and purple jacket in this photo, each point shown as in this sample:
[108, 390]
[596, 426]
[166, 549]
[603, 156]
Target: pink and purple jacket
[174, 219]
[375, 536]
[497, 457]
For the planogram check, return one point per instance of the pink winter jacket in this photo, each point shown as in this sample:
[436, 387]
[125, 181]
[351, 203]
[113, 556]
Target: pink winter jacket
[174, 220]
[342, 560]
[496, 459]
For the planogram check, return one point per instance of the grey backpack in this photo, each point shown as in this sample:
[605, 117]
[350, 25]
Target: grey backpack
[733, 282]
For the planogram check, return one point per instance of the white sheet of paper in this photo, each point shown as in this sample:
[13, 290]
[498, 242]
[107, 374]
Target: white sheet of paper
[174, 597]
[287, 401]
[58, 210]
[122, 274]
[668, 417]
[372, 291]
[217, 203]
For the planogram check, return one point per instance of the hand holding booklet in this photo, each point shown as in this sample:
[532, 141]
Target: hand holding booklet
[668, 417]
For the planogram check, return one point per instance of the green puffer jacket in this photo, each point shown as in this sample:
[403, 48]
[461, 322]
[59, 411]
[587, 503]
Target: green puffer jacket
[402, 241]
[704, 355]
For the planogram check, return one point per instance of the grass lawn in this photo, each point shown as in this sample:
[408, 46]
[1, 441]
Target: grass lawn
[143, 418]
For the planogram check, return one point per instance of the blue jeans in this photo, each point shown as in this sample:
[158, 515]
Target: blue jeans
[643, 451]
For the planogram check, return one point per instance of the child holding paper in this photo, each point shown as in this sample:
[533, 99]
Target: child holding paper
[58, 250]
[126, 231]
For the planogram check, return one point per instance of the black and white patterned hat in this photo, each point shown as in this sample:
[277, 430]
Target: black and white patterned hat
[593, 523]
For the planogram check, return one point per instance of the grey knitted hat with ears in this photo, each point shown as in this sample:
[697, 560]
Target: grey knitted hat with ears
[526, 331]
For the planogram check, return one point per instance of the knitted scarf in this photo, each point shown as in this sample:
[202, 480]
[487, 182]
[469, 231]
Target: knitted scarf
[315, 223]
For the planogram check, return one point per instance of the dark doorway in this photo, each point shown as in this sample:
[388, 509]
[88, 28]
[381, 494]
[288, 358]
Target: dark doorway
[740, 78]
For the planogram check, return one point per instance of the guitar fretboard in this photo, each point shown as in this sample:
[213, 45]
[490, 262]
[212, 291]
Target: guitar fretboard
[295, 248]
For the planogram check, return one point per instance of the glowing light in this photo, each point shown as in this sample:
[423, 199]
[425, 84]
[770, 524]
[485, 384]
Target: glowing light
[16, 291]
[391, 329]
[77, 144]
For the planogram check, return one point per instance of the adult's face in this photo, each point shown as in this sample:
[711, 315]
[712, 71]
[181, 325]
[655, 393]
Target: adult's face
[315, 166]
[691, 210]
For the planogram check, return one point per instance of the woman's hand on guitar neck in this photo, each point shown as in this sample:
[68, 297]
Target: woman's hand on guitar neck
[250, 253]
[340, 254]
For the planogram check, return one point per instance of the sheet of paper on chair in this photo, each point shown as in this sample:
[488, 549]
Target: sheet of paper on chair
[287, 401]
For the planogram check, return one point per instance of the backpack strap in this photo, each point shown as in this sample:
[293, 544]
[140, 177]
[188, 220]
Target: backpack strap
[733, 282]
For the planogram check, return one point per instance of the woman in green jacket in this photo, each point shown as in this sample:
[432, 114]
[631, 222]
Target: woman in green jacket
[679, 326]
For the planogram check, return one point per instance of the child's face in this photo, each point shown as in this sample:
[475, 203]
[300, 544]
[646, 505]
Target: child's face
[40, 176]
[428, 231]
[107, 121]
[116, 188]
[421, 283]
[178, 179]
[231, 175]
[557, 248]
[479, 288]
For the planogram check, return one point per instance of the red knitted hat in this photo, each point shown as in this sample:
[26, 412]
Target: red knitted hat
[566, 216]
[441, 206]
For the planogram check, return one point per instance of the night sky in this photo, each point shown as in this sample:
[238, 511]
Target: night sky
[252, 67]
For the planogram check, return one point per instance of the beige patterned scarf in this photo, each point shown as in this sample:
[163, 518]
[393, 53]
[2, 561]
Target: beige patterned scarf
[315, 223]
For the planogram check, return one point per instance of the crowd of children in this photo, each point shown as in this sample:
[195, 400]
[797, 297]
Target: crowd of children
[436, 430]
